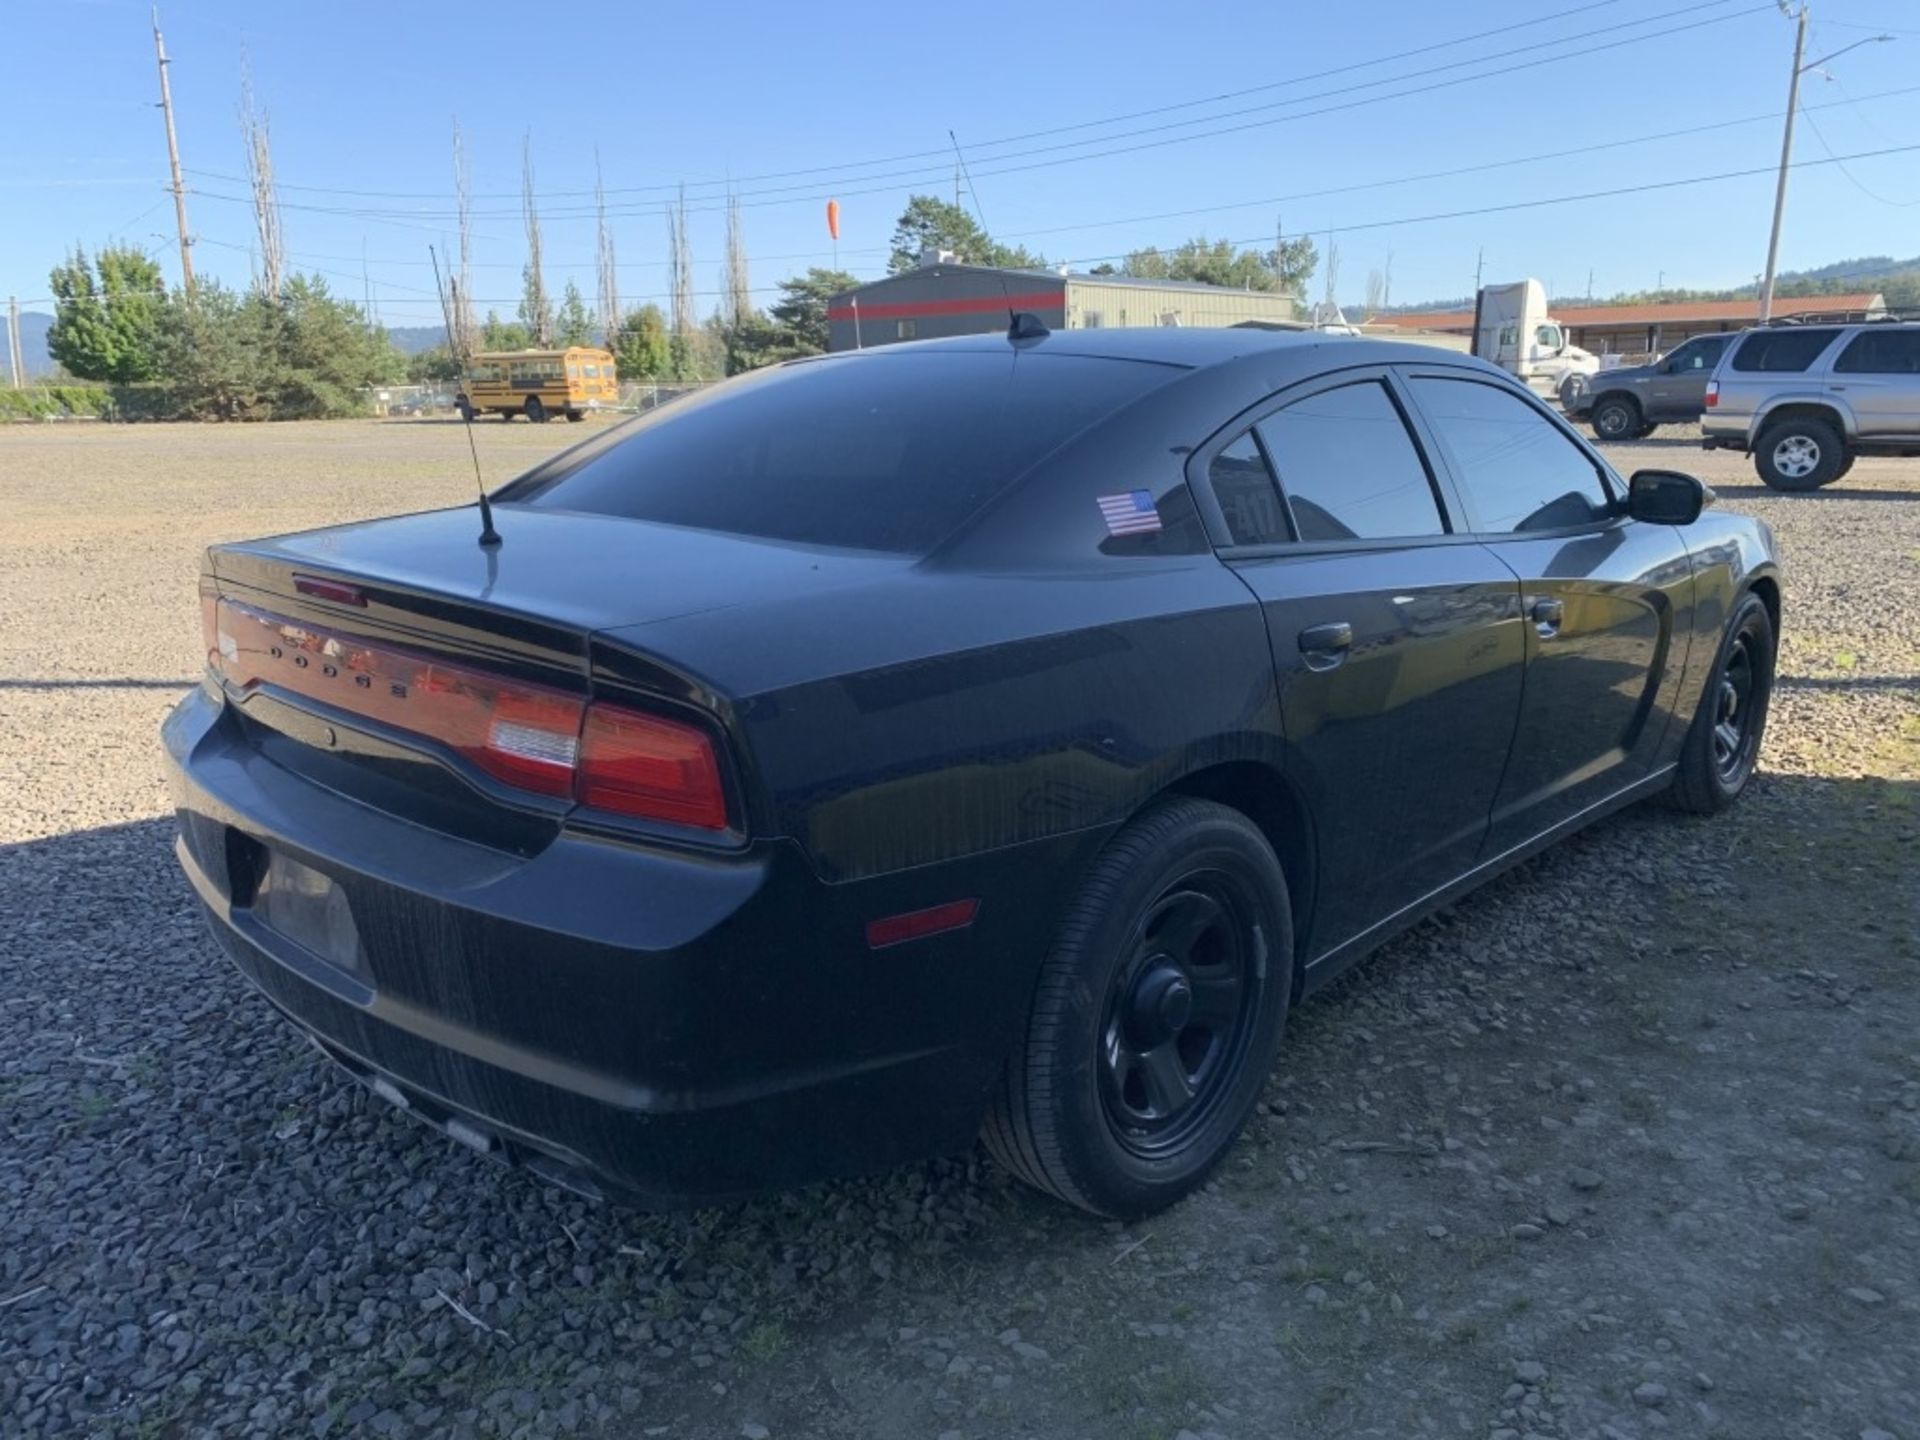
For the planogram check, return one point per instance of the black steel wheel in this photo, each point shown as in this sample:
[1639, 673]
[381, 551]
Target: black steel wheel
[1156, 1016]
[1723, 746]
[1176, 1014]
[536, 411]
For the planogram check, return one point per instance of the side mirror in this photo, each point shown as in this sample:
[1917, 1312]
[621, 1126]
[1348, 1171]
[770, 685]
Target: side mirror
[1666, 497]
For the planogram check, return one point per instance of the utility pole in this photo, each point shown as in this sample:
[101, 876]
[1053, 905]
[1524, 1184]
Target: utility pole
[1479, 264]
[1786, 159]
[16, 363]
[1786, 144]
[173, 159]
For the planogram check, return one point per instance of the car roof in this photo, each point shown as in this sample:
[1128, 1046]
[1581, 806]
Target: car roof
[1198, 348]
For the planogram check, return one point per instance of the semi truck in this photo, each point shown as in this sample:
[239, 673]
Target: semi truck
[1511, 327]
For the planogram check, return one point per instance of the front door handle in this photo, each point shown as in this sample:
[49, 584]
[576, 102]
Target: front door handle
[1325, 646]
[1547, 615]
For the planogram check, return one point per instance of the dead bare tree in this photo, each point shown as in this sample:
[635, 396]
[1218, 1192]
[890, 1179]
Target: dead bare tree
[1376, 287]
[266, 199]
[604, 266]
[738, 287]
[460, 312]
[535, 308]
[681, 273]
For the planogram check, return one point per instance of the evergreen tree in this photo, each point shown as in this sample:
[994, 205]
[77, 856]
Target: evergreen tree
[801, 311]
[640, 345]
[109, 310]
[574, 325]
[931, 224]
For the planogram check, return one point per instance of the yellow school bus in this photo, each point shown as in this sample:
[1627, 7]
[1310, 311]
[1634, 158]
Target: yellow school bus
[539, 384]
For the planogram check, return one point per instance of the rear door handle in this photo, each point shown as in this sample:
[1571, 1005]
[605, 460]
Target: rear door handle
[1325, 646]
[1547, 615]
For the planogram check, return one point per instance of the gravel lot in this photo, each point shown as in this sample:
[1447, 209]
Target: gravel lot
[1626, 1145]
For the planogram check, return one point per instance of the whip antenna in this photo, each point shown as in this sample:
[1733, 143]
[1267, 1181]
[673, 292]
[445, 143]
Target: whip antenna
[489, 537]
[1021, 324]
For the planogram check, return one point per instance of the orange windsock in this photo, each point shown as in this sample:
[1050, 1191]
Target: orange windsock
[833, 218]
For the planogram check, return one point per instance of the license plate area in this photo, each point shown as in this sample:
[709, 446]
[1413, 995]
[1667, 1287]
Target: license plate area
[298, 903]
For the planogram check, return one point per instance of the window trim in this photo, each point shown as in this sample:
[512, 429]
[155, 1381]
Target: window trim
[1611, 485]
[1200, 461]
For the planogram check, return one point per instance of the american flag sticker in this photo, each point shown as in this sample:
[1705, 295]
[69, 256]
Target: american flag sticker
[1131, 513]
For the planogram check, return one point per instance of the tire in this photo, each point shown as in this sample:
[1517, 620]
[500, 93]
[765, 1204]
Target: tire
[1571, 389]
[1716, 765]
[1647, 427]
[576, 416]
[1846, 464]
[465, 407]
[536, 411]
[1799, 454]
[1119, 1027]
[1615, 417]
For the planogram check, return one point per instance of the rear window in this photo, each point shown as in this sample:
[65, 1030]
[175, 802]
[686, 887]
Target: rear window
[882, 452]
[1881, 352]
[1784, 351]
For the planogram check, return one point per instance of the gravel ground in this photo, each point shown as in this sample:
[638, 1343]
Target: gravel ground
[1626, 1145]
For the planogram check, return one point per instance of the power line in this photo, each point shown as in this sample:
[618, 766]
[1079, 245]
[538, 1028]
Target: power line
[1852, 178]
[1643, 188]
[921, 175]
[1270, 200]
[1292, 197]
[940, 152]
[1682, 133]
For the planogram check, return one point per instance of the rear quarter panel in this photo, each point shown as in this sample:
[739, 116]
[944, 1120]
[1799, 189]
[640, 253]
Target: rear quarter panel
[943, 715]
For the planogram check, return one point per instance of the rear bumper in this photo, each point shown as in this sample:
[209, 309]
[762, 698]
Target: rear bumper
[668, 1028]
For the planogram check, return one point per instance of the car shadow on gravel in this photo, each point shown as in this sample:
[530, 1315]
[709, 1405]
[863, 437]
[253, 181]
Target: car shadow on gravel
[1644, 1094]
[1839, 490]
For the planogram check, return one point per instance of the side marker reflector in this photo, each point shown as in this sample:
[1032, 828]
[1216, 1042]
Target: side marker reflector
[917, 924]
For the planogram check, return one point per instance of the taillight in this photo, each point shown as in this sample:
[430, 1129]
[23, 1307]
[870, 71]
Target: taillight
[528, 736]
[210, 622]
[1713, 393]
[635, 764]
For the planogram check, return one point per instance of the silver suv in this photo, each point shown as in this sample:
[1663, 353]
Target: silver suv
[1805, 400]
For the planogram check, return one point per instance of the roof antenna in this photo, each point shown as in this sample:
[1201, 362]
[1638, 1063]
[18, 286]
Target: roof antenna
[489, 537]
[1021, 324]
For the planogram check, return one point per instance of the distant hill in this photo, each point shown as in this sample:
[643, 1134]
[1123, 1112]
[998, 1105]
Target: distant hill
[413, 339]
[1899, 279]
[1867, 267]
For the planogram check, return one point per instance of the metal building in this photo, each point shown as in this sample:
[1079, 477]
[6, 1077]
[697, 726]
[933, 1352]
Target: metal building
[944, 297]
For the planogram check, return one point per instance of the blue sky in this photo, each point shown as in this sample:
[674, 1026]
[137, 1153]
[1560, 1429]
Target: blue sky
[858, 99]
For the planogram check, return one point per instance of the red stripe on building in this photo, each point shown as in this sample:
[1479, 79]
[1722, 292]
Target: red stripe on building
[978, 305]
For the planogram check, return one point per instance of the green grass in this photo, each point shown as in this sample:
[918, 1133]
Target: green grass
[765, 1341]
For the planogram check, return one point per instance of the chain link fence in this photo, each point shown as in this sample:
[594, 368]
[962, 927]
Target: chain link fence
[437, 398]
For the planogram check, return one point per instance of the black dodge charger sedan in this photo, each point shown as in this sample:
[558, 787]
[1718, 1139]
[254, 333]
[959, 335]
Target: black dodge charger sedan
[994, 735]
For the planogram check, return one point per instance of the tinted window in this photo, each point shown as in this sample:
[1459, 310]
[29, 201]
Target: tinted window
[1244, 488]
[1518, 470]
[1881, 352]
[1783, 351]
[874, 452]
[1350, 468]
[1697, 355]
